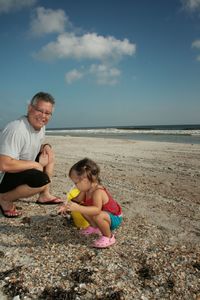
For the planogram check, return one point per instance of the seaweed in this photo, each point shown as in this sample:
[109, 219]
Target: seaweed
[10, 272]
[58, 293]
[112, 295]
[16, 288]
[145, 272]
[82, 276]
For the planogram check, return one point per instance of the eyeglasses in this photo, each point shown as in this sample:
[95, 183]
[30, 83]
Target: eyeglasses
[47, 114]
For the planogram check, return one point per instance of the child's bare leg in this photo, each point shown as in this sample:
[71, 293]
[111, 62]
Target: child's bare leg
[90, 220]
[102, 221]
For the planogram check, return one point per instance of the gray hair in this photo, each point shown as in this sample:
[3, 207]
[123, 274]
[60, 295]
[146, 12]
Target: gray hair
[42, 96]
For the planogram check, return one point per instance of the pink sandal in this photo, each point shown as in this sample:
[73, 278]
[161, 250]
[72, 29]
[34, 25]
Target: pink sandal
[104, 242]
[90, 230]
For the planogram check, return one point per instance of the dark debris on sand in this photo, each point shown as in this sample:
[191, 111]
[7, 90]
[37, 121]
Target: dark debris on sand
[48, 259]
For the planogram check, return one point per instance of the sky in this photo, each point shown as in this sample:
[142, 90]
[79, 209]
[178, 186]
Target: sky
[106, 63]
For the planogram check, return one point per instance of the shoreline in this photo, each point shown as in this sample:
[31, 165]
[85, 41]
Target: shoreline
[157, 252]
[150, 137]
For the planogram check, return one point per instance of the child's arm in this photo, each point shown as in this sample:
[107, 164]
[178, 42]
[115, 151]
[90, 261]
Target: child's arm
[63, 209]
[92, 210]
[80, 198]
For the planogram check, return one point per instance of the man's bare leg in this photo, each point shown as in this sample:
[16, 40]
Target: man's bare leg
[45, 195]
[22, 191]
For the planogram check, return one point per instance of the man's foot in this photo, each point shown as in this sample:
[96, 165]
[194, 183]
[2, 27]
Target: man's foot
[10, 213]
[55, 200]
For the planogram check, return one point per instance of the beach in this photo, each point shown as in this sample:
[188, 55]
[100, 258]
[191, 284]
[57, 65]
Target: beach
[157, 253]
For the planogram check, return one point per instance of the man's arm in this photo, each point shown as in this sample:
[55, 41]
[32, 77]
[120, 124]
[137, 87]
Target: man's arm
[11, 165]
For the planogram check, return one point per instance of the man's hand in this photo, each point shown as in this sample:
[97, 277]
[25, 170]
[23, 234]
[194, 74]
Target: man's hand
[47, 150]
[46, 156]
[44, 159]
[38, 167]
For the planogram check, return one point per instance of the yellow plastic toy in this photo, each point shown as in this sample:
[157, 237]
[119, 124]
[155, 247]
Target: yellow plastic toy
[79, 220]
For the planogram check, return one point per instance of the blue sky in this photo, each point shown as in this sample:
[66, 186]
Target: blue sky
[107, 63]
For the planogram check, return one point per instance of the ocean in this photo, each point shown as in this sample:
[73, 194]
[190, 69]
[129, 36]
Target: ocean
[162, 133]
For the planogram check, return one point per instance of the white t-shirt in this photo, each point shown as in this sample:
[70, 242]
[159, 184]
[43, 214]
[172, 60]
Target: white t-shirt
[20, 140]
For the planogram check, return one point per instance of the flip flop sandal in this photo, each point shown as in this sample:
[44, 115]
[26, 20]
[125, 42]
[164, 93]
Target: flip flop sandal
[90, 230]
[10, 213]
[104, 242]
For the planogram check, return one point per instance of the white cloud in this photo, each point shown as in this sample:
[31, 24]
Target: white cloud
[87, 46]
[104, 74]
[73, 75]
[48, 21]
[12, 5]
[196, 44]
[191, 5]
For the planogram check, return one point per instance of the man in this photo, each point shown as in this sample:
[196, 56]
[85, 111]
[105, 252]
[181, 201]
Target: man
[26, 165]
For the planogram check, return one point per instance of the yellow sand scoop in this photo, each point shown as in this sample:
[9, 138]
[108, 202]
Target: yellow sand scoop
[79, 220]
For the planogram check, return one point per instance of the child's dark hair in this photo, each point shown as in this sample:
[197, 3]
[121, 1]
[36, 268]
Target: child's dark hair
[86, 167]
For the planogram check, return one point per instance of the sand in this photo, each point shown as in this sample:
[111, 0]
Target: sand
[157, 251]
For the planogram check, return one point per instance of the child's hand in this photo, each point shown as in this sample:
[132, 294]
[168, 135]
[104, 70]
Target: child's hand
[72, 206]
[63, 210]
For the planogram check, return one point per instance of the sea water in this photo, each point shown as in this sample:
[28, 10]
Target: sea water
[161, 133]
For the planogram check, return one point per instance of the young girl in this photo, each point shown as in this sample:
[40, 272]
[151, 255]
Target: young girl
[97, 206]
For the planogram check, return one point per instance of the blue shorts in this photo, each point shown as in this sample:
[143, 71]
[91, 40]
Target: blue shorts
[115, 221]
